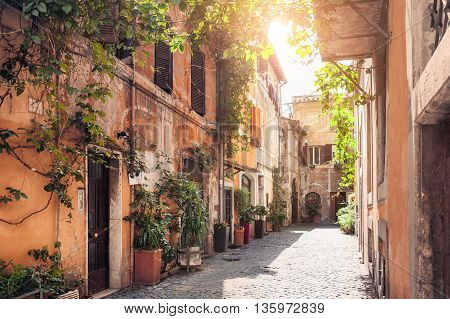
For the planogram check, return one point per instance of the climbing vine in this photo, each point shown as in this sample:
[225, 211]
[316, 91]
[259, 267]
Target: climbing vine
[339, 94]
[63, 60]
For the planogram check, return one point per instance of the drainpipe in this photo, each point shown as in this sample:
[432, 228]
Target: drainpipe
[220, 140]
[132, 146]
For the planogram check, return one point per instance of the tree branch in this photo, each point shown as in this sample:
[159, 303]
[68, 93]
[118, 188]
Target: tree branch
[15, 223]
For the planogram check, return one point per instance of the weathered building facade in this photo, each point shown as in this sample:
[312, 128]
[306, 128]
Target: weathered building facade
[164, 110]
[403, 172]
[292, 168]
[320, 179]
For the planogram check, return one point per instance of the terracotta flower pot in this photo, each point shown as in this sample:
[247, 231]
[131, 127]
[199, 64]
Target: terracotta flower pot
[247, 232]
[147, 266]
[269, 226]
[317, 219]
[239, 236]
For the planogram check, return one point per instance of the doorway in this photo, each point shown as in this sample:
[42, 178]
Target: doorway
[337, 201]
[98, 227]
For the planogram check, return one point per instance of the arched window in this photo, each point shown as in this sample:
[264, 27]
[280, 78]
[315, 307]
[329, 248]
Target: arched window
[246, 183]
[312, 199]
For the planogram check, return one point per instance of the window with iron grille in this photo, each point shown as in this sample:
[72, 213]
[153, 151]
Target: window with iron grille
[163, 66]
[440, 20]
[198, 82]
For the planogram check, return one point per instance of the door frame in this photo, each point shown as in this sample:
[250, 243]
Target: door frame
[115, 221]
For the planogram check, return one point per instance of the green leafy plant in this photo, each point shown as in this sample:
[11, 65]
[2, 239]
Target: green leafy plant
[188, 199]
[339, 94]
[260, 210]
[277, 208]
[312, 209]
[346, 216]
[205, 157]
[243, 205]
[168, 253]
[49, 275]
[150, 218]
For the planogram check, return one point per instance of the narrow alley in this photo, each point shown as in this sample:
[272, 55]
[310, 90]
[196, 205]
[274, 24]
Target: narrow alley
[299, 262]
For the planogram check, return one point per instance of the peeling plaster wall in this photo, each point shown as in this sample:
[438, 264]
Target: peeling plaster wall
[161, 120]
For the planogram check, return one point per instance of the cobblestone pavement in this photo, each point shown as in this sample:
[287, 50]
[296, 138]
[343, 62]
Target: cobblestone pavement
[299, 262]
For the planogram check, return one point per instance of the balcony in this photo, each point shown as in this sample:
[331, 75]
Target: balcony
[352, 29]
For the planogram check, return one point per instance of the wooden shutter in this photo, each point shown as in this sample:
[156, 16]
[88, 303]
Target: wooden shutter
[305, 154]
[322, 155]
[328, 153]
[163, 66]
[106, 29]
[198, 82]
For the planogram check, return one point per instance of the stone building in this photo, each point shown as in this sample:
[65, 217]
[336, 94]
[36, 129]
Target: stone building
[293, 167]
[164, 110]
[402, 177]
[253, 168]
[319, 182]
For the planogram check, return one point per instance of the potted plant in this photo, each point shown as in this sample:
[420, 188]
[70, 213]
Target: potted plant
[260, 211]
[194, 224]
[313, 211]
[245, 213]
[221, 234]
[277, 214]
[46, 280]
[151, 222]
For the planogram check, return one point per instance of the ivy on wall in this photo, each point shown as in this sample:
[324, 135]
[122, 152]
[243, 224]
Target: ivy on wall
[339, 95]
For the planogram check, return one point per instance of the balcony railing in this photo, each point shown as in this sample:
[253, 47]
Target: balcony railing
[440, 20]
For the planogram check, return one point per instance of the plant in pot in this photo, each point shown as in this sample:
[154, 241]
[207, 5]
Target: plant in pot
[260, 211]
[313, 211]
[194, 225]
[151, 221]
[46, 280]
[245, 213]
[277, 214]
[221, 234]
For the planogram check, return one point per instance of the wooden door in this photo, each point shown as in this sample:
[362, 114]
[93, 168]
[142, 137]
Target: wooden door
[98, 227]
[294, 204]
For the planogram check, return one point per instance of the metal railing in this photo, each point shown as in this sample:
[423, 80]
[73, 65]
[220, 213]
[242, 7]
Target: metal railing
[440, 20]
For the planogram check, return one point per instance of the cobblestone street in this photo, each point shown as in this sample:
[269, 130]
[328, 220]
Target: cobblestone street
[299, 262]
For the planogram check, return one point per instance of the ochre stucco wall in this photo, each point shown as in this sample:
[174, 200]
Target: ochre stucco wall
[397, 159]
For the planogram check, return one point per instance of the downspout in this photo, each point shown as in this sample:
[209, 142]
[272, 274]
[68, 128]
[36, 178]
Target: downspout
[220, 140]
[133, 147]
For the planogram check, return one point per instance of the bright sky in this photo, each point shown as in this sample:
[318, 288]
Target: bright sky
[300, 77]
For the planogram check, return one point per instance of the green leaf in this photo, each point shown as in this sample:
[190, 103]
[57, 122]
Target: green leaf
[36, 39]
[66, 8]
[42, 7]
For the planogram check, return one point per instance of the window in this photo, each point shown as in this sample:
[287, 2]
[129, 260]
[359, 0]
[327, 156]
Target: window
[198, 82]
[320, 155]
[255, 127]
[163, 67]
[314, 155]
[246, 183]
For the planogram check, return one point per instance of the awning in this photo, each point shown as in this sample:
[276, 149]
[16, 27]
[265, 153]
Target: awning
[354, 30]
